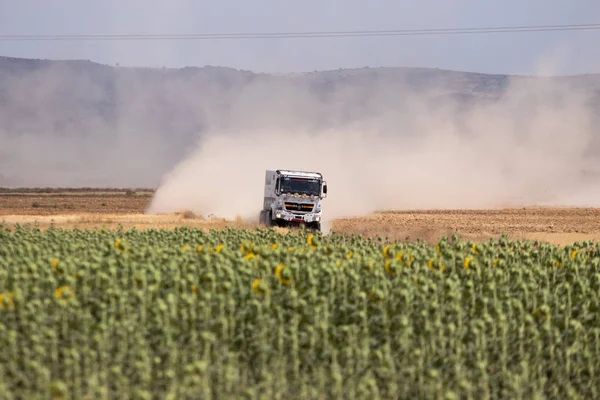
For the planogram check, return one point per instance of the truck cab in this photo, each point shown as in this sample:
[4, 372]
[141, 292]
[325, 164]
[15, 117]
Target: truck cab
[293, 198]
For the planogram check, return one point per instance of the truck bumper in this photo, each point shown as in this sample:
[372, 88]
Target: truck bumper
[287, 216]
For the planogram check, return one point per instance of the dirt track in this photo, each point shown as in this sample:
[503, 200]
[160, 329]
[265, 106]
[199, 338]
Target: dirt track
[88, 210]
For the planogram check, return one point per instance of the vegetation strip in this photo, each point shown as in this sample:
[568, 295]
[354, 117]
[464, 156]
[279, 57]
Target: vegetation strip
[255, 313]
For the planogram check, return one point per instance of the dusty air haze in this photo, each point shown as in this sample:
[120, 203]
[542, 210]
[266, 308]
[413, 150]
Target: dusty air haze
[533, 145]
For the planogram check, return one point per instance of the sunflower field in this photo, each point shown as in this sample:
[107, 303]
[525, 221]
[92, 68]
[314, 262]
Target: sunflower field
[256, 314]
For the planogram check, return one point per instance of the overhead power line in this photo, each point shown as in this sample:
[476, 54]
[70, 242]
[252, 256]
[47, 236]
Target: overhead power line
[305, 35]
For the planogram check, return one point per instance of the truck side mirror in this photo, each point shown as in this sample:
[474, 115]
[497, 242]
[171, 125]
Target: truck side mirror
[325, 189]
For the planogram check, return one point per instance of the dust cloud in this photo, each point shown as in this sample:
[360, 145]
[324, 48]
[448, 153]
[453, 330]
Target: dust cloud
[81, 124]
[427, 149]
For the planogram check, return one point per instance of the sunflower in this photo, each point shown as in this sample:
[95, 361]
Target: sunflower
[220, 248]
[376, 296]
[58, 390]
[434, 265]
[574, 254]
[250, 256]
[54, 263]
[400, 258]
[120, 245]
[246, 247]
[467, 263]
[64, 294]
[312, 241]
[389, 267]
[368, 267]
[275, 246]
[542, 312]
[7, 301]
[259, 287]
[283, 274]
[386, 251]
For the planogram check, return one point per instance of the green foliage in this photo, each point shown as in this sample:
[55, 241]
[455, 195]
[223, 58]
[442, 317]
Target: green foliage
[186, 314]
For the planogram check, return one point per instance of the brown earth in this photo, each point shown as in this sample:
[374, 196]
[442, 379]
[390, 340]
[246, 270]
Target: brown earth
[73, 202]
[110, 209]
[553, 225]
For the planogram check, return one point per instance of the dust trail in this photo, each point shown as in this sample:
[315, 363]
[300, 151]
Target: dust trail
[532, 145]
[81, 124]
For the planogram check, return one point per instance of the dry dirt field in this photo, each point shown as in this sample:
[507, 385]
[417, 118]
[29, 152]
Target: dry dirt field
[110, 208]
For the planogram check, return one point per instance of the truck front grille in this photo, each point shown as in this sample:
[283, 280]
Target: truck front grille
[299, 207]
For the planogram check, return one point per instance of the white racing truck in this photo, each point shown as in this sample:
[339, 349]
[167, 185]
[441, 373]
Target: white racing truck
[293, 198]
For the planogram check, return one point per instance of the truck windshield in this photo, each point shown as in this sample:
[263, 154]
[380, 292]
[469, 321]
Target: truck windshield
[300, 185]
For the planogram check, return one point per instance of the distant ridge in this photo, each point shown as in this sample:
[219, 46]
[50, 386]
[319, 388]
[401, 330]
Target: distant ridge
[95, 117]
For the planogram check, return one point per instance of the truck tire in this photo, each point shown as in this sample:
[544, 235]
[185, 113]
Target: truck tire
[262, 220]
[268, 220]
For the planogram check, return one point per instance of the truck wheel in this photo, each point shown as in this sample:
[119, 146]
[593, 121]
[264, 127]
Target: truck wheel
[262, 219]
[315, 226]
[268, 220]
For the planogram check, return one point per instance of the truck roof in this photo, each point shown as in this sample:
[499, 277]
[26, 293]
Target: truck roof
[300, 173]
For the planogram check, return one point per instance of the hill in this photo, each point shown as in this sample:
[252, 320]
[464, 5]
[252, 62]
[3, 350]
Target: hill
[79, 123]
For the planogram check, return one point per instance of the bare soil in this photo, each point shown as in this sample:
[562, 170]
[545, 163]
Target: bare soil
[110, 209]
[63, 202]
[554, 225]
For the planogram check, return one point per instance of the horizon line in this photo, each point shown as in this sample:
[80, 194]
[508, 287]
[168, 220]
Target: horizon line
[442, 69]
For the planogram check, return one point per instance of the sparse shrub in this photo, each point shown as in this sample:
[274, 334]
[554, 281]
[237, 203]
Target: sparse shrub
[186, 214]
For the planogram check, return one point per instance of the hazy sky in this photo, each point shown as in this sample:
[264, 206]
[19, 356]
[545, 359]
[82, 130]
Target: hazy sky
[539, 52]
